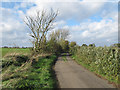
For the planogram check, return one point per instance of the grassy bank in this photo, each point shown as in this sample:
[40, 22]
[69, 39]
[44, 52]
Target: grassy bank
[104, 61]
[25, 72]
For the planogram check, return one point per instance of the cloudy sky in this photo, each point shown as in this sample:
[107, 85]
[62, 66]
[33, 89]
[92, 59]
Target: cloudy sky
[89, 21]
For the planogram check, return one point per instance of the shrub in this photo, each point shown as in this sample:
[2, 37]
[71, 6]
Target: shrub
[72, 44]
[84, 45]
[92, 45]
[103, 60]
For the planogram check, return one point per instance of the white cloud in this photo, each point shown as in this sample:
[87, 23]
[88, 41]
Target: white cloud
[86, 34]
[99, 32]
[75, 10]
[13, 29]
[59, 24]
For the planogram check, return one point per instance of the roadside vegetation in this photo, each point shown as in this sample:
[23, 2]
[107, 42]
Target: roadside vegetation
[33, 67]
[64, 58]
[33, 74]
[104, 61]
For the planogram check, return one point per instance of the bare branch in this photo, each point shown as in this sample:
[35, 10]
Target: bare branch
[40, 25]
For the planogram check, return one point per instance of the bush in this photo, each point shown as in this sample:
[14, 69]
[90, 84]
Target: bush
[21, 59]
[92, 45]
[116, 45]
[54, 47]
[72, 44]
[102, 60]
[65, 46]
[72, 47]
[84, 45]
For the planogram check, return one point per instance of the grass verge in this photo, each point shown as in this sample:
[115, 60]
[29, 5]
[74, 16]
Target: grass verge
[93, 69]
[64, 58]
[35, 73]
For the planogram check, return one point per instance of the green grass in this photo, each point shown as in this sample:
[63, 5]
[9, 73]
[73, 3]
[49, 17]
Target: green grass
[93, 69]
[5, 51]
[36, 75]
[64, 58]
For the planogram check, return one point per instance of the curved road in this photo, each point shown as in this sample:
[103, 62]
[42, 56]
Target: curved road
[72, 75]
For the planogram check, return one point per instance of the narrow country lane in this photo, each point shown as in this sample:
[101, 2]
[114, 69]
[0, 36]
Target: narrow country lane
[72, 75]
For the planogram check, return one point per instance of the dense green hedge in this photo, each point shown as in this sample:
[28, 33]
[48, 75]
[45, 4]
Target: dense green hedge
[103, 60]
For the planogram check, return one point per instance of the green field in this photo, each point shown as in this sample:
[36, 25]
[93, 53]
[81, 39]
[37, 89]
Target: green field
[5, 51]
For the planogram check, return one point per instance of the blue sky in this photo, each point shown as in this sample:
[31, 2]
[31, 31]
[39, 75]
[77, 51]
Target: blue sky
[93, 21]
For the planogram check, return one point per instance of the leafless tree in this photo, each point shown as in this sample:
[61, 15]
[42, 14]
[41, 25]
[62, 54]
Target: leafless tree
[40, 25]
[59, 35]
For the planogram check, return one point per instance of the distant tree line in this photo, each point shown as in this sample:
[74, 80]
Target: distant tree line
[15, 47]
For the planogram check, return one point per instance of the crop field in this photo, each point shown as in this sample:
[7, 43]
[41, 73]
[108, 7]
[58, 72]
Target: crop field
[6, 51]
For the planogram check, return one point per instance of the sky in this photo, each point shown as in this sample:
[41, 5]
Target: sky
[88, 21]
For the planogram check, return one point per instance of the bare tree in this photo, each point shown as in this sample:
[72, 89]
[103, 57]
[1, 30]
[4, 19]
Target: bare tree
[57, 41]
[59, 35]
[39, 26]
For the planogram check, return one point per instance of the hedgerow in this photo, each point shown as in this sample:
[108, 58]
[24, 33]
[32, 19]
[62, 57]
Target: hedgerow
[104, 61]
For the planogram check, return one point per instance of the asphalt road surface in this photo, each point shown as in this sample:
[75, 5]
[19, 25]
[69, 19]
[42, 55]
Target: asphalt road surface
[72, 75]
